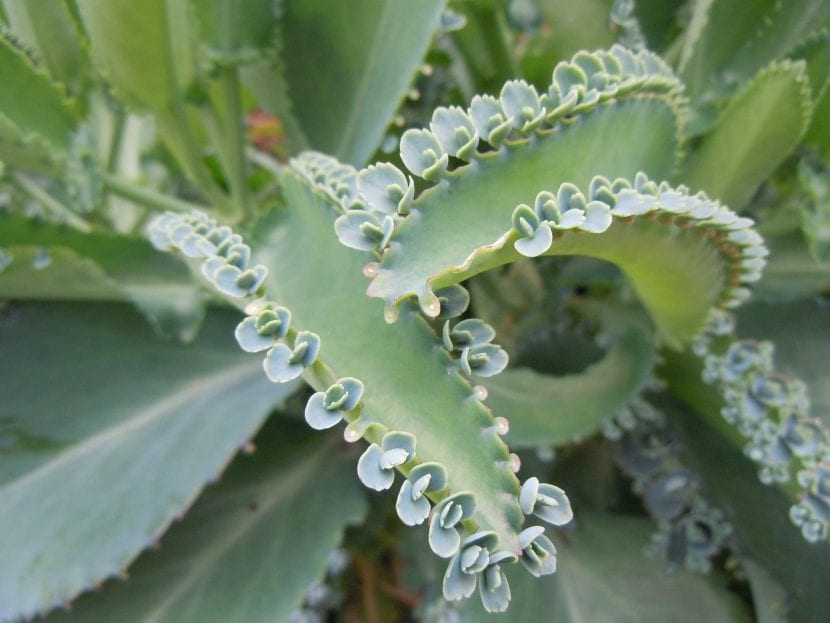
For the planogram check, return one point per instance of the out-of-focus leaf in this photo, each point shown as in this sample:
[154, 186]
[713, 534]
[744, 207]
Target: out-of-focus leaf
[567, 28]
[791, 272]
[345, 87]
[761, 126]
[768, 597]
[552, 410]
[30, 101]
[800, 331]
[250, 547]
[47, 29]
[143, 47]
[52, 262]
[603, 576]
[106, 434]
[758, 513]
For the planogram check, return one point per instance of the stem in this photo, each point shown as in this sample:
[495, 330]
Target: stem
[147, 197]
[178, 124]
[49, 202]
[493, 30]
[235, 138]
[367, 588]
[264, 160]
[181, 126]
[116, 142]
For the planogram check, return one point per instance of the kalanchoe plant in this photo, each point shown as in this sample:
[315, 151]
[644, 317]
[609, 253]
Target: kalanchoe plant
[555, 273]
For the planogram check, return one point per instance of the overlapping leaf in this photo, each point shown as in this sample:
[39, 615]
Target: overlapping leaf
[108, 433]
[250, 547]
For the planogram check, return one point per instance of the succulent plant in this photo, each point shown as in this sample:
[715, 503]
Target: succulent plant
[549, 271]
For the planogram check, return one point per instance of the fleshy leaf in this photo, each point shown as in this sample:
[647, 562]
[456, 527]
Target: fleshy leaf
[99, 446]
[264, 522]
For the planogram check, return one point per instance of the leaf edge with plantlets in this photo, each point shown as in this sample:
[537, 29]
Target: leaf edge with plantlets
[291, 351]
[690, 531]
[741, 250]
[33, 145]
[519, 125]
[767, 414]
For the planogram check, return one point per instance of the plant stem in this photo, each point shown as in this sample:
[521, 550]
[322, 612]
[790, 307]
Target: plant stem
[367, 588]
[147, 197]
[37, 193]
[235, 138]
[175, 121]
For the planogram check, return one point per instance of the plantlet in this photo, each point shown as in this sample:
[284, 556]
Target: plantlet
[543, 286]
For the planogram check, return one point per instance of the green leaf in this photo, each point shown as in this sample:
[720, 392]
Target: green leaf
[31, 102]
[129, 431]
[250, 547]
[782, 34]
[32, 153]
[768, 597]
[553, 410]
[143, 48]
[801, 333]
[819, 132]
[235, 31]
[49, 31]
[569, 28]
[758, 513]
[345, 87]
[758, 130]
[604, 577]
[98, 266]
[716, 32]
[56, 273]
[792, 272]
[454, 221]
[408, 387]
[730, 40]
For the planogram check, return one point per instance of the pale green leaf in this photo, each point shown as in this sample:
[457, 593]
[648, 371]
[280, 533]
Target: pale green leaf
[411, 386]
[768, 597]
[344, 87]
[250, 547]
[759, 129]
[30, 101]
[48, 30]
[98, 266]
[143, 47]
[107, 433]
[552, 410]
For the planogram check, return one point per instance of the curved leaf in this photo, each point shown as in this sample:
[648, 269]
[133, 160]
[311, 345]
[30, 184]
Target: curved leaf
[407, 384]
[108, 462]
[553, 410]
